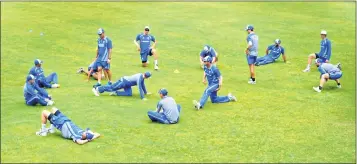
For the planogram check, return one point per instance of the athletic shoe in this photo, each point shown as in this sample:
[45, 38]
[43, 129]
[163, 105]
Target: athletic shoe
[231, 97]
[306, 70]
[339, 86]
[80, 70]
[316, 89]
[339, 66]
[49, 103]
[156, 67]
[55, 86]
[109, 83]
[51, 130]
[95, 91]
[196, 104]
[42, 132]
[250, 81]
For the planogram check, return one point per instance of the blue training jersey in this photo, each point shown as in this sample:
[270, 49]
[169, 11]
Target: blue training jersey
[37, 72]
[169, 107]
[275, 51]
[328, 68]
[138, 80]
[103, 48]
[212, 74]
[253, 39]
[211, 52]
[145, 42]
[71, 131]
[31, 90]
[325, 51]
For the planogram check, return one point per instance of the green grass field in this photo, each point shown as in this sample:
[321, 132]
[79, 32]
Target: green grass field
[281, 119]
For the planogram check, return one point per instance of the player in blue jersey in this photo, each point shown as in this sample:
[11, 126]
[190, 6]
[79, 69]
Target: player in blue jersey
[92, 71]
[251, 52]
[68, 129]
[215, 81]
[125, 83]
[272, 54]
[50, 81]
[327, 71]
[325, 52]
[34, 94]
[145, 47]
[208, 51]
[167, 111]
[104, 56]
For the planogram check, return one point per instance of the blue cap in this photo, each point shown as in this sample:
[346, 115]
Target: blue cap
[206, 48]
[38, 61]
[89, 135]
[249, 27]
[30, 77]
[163, 91]
[147, 74]
[277, 41]
[207, 59]
[100, 31]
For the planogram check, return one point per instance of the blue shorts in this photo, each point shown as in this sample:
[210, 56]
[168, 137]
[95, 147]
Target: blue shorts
[58, 119]
[103, 64]
[144, 56]
[251, 59]
[321, 59]
[335, 76]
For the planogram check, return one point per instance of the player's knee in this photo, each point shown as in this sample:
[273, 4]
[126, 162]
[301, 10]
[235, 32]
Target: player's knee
[153, 51]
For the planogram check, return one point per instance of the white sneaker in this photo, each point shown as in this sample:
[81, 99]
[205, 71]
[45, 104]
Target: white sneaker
[49, 103]
[306, 70]
[196, 104]
[80, 70]
[95, 91]
[55, 86]
[231, 97]
[51, 130]
[156, 67]
[339, 86]
[42, 132]
[112, 94]
[252, 82]
[316, 89]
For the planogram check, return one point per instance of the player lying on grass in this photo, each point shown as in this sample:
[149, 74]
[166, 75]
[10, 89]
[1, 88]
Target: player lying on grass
[215, 81]
[328, 71]
[170, 110]
[34, 94]
[92, 71]
[125, 82]
[272, 54]
[208, 51]
[145, 49]
[325, 52]
[41, 80]
[68, 129]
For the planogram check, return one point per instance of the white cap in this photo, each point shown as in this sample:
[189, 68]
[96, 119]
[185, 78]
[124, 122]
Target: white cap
[323, 32]
[147, 27]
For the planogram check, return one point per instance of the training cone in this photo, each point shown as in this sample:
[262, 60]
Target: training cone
[176, 71]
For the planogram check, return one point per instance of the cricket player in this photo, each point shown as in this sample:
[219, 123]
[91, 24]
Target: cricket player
[92, 71]
[125, 83]
[272, 54]
[215, 81]
[41, 80]
[104, 56]
[68, 129]
[34, 94]
[170, 110]
[325, 52]
[251, 51]
[145, 49]
[208, 51]
[328, 71]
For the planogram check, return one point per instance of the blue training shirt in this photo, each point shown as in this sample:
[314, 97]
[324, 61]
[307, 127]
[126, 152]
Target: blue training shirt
[145, 42]
[169, 107]
[253, 38]
[103, 48]
[37, 72]
[325, 51]
[275, 51]
[211, 52]
[328, 68]
[212, 74]
[31, 90]
[138, 80]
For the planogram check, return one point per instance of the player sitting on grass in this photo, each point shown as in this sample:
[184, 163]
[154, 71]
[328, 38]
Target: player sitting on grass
[34, 94]
[170, 110]
[92, 71]
[208, 51]
[272, 54]
[328, 71]
[68, 129]
[41, 80]
[215, 81]
[125, 83]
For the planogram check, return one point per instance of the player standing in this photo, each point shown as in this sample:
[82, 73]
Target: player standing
[145, 49]
[251, 51]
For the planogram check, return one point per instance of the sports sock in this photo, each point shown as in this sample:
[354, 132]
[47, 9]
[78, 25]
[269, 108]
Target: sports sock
[155, 62]
[320, 87]
[43, 126]
[338, 83]
[253, 79]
